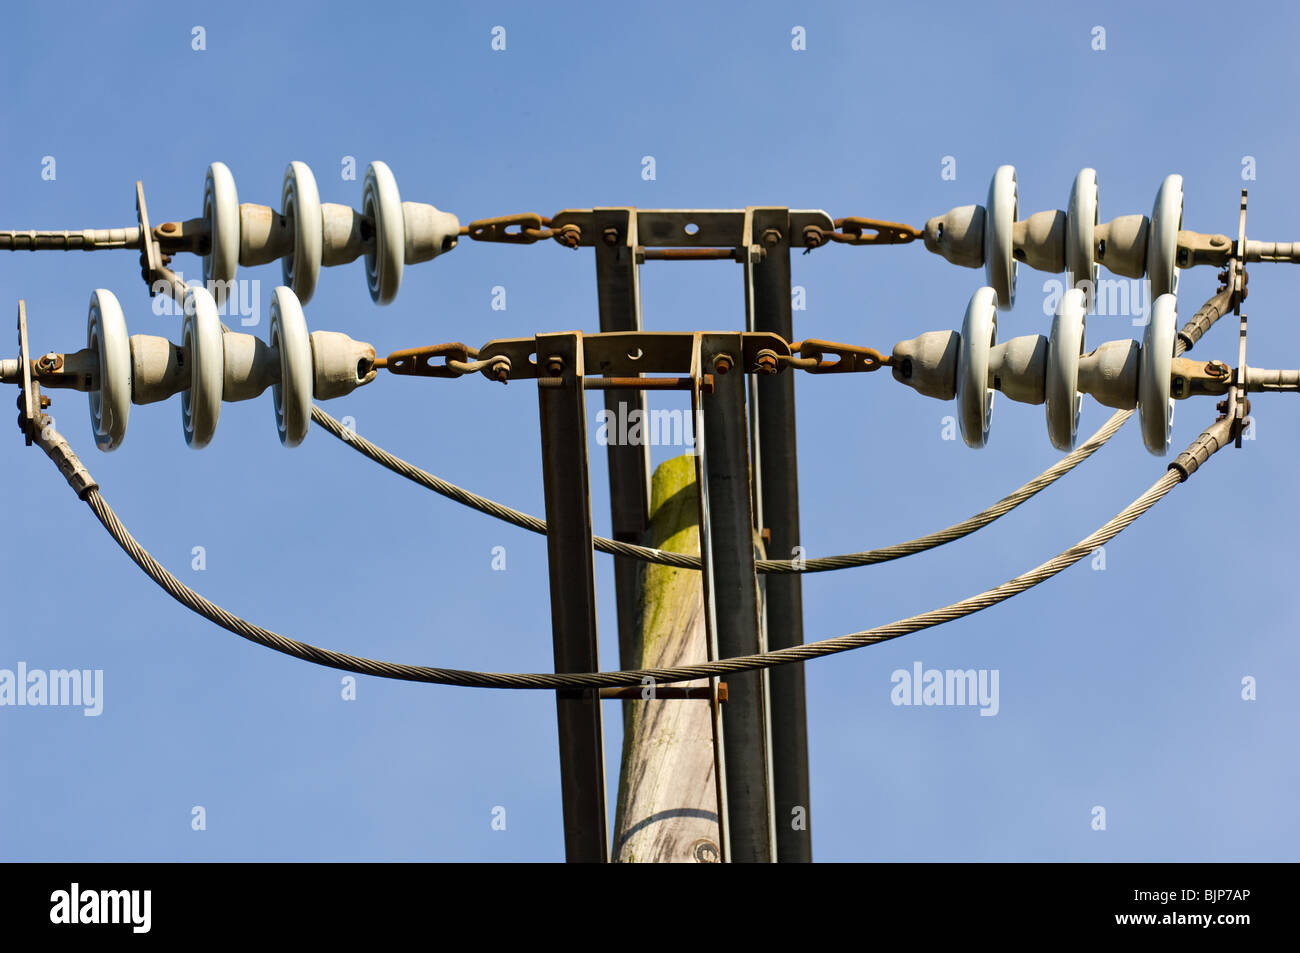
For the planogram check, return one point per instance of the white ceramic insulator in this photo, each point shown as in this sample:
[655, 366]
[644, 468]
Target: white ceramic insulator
[1081, 235]
[1155, 403]
[222, 214]
[429, 232]
[928, 363]
[1162, 237]
[341, 226]
[264, 235]
[979, 335]
[339, 364]
[1018, 368]
[201, 339]
[958, 236]
[110, 398]
[159, 369]
[1122, 245]
[1064, 348]
[1039, 241]
[1001, 211]
[1109, 374]
[300, 205]
[250, 367]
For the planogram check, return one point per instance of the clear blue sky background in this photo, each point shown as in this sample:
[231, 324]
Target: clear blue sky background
[1118, 688]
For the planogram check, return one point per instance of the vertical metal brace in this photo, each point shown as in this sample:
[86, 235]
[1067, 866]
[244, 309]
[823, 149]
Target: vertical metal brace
[710, 612]
[567, 482]
[618, 291]
[731, 595]
[768, 307]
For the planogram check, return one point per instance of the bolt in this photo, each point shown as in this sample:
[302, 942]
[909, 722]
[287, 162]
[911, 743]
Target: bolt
[555, 365]
[167, 227]
[722, 363]
[767, 361]
[812, 236]
[45, 402]
[771, 237]
[569, 236]
[610, 235]
[500, 370]
[706, 852]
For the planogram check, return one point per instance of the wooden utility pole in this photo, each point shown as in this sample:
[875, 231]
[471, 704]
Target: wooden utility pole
[667, 802]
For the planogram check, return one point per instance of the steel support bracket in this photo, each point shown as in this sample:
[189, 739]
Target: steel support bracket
[731, 601]
[566, 480]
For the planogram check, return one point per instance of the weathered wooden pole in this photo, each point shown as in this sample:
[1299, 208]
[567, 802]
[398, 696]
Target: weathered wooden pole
[667, 802]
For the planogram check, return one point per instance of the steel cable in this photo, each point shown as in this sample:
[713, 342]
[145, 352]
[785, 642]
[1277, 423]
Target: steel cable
[771, 566]
[590, 680]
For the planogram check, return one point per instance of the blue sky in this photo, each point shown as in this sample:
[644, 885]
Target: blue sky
[1119, 688]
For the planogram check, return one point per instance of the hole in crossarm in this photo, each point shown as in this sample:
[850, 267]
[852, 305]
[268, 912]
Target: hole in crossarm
[635, 354]
[691, 228]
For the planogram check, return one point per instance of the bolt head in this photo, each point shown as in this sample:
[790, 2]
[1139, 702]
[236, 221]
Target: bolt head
[610, 235]
[722, 363]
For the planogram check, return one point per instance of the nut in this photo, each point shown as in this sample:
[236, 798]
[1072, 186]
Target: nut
[555, 365]
[722, 363]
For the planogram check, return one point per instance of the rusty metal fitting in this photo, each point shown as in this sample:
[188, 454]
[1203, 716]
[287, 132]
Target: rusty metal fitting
[722, 363]
[767, 361]
[610, 235]
[813, 236]
[555, 365]
[45, 402]
[49, 363]
[772, 237]
[570, 236]
[500, 370]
